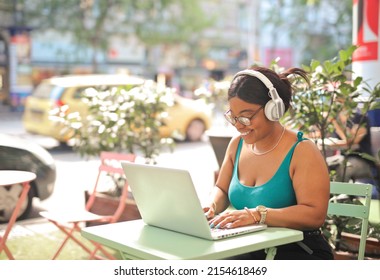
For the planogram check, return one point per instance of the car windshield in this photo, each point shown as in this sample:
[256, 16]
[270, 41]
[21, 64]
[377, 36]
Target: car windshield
[46, 90]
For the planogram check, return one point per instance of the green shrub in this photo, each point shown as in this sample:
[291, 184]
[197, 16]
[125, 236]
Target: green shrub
[121, 119]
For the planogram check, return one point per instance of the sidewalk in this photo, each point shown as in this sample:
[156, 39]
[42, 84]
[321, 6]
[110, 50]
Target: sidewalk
[6, 113]
[29, 227]
[10, 121]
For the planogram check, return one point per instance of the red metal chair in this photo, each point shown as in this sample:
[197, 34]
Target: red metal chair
[71, 222]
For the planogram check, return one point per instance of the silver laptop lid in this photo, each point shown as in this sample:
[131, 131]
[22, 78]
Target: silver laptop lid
[166, 198]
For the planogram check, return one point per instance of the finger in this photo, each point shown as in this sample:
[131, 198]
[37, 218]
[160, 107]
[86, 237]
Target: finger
[205, 209]
[226, 220]
[210, 214]
[215, 220]
[233, 220]
[221, 220]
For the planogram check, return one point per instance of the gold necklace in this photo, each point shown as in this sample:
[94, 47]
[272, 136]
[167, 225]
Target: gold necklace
[274, 147]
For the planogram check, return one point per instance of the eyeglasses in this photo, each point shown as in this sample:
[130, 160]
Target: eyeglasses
[243, 120]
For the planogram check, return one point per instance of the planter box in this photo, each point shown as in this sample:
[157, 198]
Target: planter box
[350, 247]
[106, 205]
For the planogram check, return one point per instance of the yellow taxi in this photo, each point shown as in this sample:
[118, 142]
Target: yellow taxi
[187, 118]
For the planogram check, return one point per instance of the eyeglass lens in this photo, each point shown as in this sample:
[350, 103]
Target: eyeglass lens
[243, 120]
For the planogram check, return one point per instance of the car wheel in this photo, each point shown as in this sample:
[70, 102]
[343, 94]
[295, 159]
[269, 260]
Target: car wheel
[195, 130]
[8, 200]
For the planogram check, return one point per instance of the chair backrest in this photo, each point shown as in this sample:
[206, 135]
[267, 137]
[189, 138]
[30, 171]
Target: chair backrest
[219, 144]
[339, 208]
[110, 165]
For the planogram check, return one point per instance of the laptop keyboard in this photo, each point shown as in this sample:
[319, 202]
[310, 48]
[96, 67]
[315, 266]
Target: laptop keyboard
[218, 229]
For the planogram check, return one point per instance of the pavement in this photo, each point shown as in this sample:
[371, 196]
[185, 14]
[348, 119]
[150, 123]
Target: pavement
[7, 113]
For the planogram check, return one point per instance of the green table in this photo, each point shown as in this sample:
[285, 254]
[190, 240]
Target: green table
[136, 240]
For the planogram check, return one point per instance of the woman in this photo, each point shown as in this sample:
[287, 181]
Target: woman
[270, 174]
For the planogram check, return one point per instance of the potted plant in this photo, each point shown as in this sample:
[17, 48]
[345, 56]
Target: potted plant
[123, 119]
[314, 107]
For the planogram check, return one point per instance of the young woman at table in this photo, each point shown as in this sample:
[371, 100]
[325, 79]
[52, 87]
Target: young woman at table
[270, 174]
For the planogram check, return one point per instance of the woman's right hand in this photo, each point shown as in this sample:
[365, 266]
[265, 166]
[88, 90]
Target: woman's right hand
[209, 212]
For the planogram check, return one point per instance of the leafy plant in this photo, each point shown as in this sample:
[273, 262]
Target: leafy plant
[214, 93]
[120, 119]
[331, 91]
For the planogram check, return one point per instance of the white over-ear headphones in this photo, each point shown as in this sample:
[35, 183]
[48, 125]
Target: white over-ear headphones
[275, 108]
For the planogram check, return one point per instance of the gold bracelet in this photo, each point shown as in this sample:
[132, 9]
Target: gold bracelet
[250, 213]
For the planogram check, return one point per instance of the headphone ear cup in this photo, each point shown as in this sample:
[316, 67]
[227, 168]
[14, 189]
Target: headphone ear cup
[274, 110]
[269, 111]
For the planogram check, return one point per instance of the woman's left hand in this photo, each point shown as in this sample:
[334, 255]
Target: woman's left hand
[231, 219]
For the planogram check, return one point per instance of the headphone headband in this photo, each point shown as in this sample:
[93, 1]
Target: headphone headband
[256, 74]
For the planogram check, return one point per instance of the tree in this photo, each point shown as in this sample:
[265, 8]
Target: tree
[92, 22]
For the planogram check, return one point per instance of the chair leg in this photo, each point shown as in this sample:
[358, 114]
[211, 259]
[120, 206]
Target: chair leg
[70, 235]
[7, 252]
[60, 248]
[271, 253]
[99, 247]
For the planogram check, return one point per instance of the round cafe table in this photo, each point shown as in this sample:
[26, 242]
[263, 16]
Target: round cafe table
[12, 178]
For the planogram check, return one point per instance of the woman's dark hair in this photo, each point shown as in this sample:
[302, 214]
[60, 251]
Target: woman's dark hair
[250, 89]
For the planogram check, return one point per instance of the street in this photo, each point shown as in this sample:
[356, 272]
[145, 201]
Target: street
[76, 174]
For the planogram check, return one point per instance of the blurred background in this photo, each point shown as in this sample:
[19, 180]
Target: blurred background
[183, 43]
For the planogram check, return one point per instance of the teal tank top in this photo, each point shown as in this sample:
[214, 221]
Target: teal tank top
[278, 192]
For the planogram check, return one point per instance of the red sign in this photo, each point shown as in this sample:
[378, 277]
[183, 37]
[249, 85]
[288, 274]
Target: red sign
[366, 33]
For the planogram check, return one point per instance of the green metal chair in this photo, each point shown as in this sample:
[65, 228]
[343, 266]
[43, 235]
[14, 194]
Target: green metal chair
[353, 210]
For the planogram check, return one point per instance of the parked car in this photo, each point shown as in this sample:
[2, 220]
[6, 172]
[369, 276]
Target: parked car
[20, 154]
[187, 117]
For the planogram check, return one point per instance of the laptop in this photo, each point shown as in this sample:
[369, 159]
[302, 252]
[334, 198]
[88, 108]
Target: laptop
[166, 198]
